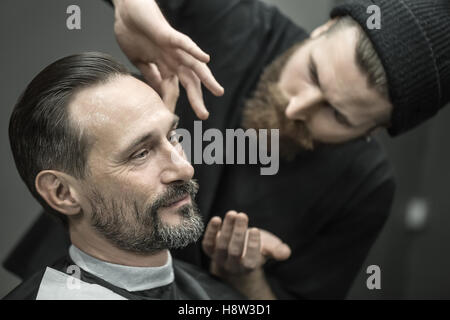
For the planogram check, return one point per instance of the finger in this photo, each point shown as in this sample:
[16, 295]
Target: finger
[280, 252]
[164, 69]
[170, 92]
[202, 71]
[167, 89]
[237, 241]
[182, 41]
[252, 258]
[152, 75]
[223, 239]
[192, 84]
[274, 247]
[283, 252]
[209, 239]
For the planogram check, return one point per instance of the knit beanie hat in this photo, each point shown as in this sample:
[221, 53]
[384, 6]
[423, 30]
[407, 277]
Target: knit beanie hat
[413, 45]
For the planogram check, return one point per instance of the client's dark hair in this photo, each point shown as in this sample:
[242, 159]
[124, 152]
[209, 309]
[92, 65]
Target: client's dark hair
[41, 134]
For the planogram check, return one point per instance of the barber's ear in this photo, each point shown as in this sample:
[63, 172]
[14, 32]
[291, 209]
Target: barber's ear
[58, 190]
[323, 28]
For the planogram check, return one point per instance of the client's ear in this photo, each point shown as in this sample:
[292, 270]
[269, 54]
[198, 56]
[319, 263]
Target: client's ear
[57, 189]
[323, 28]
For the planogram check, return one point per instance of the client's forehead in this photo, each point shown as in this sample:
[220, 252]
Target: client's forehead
[112, 111]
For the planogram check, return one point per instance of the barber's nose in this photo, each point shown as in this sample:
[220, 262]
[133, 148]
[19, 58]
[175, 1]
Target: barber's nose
[176, 166]
[300, 107]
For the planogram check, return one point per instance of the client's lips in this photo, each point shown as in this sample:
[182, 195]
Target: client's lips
[178, 200]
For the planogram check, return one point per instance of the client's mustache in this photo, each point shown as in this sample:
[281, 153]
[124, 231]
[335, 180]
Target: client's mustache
[174, 193]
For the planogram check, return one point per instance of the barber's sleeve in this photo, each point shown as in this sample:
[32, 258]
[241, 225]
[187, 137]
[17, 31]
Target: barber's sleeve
[176, 10]
[195, 12]
[234, 33]
[326, 266]
[220, 26]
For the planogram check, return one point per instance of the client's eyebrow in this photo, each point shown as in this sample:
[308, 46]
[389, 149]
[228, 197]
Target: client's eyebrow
[314, 75]
[135, 143]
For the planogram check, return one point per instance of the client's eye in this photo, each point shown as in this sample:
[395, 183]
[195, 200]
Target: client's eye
[141, 154]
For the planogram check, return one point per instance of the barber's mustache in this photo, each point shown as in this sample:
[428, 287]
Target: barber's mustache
[176, 192]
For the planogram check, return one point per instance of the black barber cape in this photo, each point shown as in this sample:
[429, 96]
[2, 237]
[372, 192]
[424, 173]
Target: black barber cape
[329, 205]
[79, 276]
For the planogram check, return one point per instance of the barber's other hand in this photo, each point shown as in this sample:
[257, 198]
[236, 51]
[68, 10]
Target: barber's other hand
[236, 250]
[146, 38]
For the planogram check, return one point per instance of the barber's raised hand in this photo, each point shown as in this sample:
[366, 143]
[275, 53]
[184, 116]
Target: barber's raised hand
[236, 250]
[148, 40]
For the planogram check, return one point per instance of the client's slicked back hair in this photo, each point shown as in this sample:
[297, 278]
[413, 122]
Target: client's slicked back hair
[41, 134]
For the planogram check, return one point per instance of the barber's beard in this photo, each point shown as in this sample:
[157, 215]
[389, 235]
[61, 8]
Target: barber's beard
[130, 228]
[266, 110]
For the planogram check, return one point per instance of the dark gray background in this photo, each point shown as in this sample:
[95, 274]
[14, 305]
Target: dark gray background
[414, 263]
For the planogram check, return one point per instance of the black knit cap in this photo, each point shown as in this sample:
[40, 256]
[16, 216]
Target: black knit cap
[414, 47]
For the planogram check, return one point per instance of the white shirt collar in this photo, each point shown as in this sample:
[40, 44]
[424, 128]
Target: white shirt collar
[126, 277]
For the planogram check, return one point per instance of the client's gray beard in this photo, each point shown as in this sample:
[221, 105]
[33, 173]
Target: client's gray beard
[122, 223]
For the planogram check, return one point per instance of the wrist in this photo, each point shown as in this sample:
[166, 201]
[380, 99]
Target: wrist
[119, 2]
[253, 285]
[116, 2]
[243, 279]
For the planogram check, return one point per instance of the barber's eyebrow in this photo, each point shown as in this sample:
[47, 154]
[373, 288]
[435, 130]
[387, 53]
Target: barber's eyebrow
[314, 75]
[135, 143]
[312, 67]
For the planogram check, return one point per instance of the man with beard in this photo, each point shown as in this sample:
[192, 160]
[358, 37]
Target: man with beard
[97, 148]
[336, 85]
[328, 204]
